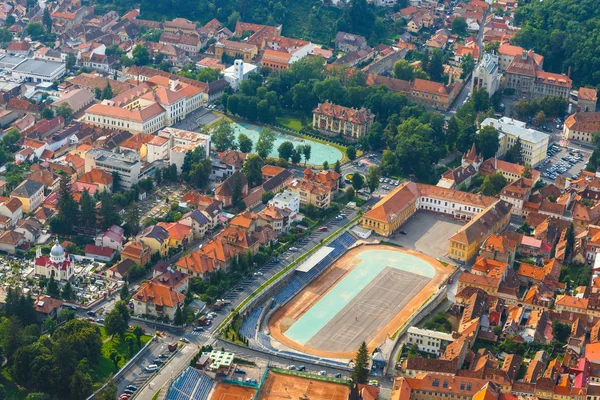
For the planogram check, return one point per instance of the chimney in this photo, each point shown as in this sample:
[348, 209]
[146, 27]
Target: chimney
[569, 72]
[524, 55]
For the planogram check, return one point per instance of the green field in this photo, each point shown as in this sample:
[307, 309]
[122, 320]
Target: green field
[105, 366]
[290, 122]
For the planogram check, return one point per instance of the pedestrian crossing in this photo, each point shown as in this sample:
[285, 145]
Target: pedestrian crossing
[201, 334]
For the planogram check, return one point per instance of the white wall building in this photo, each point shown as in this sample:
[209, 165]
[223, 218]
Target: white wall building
[534, 143]
[38, 70]
[127, 165]
[485, 74]
[429, 341]
[238, 72]
[288, 200]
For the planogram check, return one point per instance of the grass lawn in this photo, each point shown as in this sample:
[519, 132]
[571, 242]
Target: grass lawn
[290, 122]
[105, 366]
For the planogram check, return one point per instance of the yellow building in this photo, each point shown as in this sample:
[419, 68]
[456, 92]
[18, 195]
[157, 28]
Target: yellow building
[179, 234]
[394, 209]
[236, 50]
[465, 243]
[310, 192]
[156, 238]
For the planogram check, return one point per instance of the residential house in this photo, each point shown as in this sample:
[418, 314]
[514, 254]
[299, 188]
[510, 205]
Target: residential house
[224, 191]
[349, 42]
[112, 238]
[120, 270]
[99, 253]
[157, 300]
[11, 211]
[30, 193]
[180, 235]
[10, 240]
[157, 238]
[197, 221]
[137, 251]
[337, 120]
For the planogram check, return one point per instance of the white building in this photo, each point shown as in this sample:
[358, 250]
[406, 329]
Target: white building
[286, 199]
[429, 341]
[138, 120]
[158, 149]
[127, 165]
[534, 143]
[485, 74]
[238, 72]
[38, 70]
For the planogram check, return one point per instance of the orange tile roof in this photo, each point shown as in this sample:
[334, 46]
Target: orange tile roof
[243, 220]
[158, 294]
[531, 271]
[96, 176]
[197, 262]
[491, 268]
[426, 86]
[588, 94]
[122, 113]
[271, 170]
[468, 278]
[137, 141]
[176, 230]
[570, 301]
[361, 116]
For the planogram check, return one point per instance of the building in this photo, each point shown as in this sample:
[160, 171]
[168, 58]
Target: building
[238, 72]
[465, 243]
[112, 238]
[127, 165]
[136, 251]
[57, 265]
[507, 53]
[77, 99]
[434, 94]
[237, 50]
[286, 199]
[587, 99]
[429, 341]
[310, 192]
[517, 193]
[147, 120]
[510, 171]
[335, 119]
[534, 143]
[485, 74]
[398, 206]
[38, 71]
[179, 143]
[581, 126]
[350, 42]
[30, 193]
[157, 238]
[529, 81]
[157, 300]
[99, 177]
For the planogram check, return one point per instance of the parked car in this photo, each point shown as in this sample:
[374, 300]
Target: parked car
[240, 371]
[293, 249]
[292, 367]
[301, 368]
[184, 340]
[151, 368]
[258, 274]
[323, 228]
[132, 387]
[158, 361]
[322, 373]
[338, 375]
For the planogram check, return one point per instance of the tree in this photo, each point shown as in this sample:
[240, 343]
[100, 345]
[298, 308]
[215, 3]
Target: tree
[50, 325]
[88, 210]
[109, 392]
[140, 55]
[403, 70]
[138, 332]
[360, 372]
[373, 178]
[47, 113]
[67, 206]
[436, 66]
[107, 92]
[514, 153]
[491, 47]
[115, 324]
[351, 153]
[10, 21]
[459, 26]
[132, 219]
[252, 169]
[488, 142]
[285, 150]
[108, 213]
[115, 358]
[65, 111]
[561, 331]
[357, 181]
[67, 292]
[540, 119]
[178, 318]
[325, 165]
[306, 150]
[570, 236]
[296, 155]
[467, 64]
[481, 100]
[244, 143]
[266, 196]
[236, 193]
[35, 30]
[265, 142]
[493, 184]
[337, 167]
[47, 20]
[222, 136]
[527, 172]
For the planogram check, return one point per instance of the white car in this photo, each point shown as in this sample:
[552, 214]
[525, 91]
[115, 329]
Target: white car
[151, 368]
[322, 373]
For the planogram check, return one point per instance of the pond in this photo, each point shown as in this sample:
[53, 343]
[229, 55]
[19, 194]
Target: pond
[319, 152]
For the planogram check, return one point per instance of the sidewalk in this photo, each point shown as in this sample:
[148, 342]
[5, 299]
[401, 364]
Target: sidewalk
[169, 371]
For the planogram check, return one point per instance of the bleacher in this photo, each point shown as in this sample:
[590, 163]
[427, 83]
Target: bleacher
[250, 322]
[346, 239]
[190, 385]
[289, 291]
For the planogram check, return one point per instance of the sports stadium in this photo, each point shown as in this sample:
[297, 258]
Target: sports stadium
[348, 291]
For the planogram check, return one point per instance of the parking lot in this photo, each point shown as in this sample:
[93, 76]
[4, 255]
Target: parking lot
[564, 161]
[263, 274]
[428, 233]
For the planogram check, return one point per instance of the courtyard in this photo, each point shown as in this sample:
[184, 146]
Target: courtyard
[428, 233]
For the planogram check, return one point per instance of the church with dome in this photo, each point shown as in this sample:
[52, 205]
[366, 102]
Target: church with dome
[57, 265]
